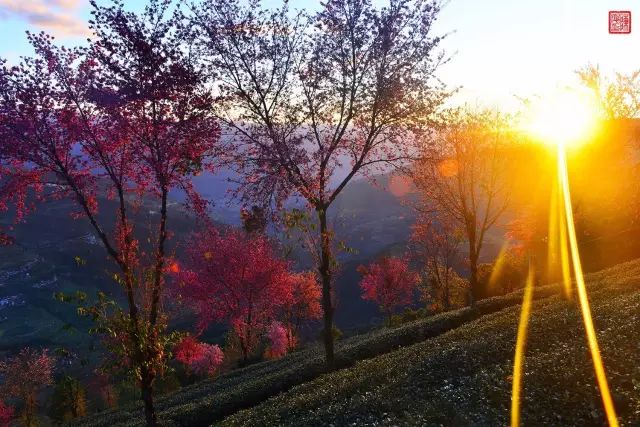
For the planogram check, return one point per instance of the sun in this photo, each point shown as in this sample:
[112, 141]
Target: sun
[567, 118]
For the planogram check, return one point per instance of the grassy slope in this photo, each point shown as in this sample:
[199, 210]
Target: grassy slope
[463, 377]
[457, 373]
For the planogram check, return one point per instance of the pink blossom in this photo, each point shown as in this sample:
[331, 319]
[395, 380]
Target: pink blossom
[200, 357]
[279, 339]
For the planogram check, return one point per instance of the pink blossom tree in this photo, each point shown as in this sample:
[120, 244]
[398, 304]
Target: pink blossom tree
[312, 102]
[237, 278]
[6, 414]
[279, 340]
[389, 283]
[125, 118]
[304, 305]
[25, 375]
[201, 358]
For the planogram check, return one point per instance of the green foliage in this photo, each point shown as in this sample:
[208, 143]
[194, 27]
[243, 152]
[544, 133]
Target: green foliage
[409, 315]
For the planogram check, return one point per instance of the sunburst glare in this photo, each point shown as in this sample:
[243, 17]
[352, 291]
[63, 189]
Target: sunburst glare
[569, 119]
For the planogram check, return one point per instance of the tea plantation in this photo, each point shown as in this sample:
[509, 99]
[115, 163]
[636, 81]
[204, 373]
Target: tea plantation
[450, 369]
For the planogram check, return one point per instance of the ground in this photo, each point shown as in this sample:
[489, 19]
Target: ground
[452, 369]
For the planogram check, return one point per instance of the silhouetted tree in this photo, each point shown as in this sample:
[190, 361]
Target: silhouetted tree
[436, 246]
[314, 101]
[69, 400]
[462, 178]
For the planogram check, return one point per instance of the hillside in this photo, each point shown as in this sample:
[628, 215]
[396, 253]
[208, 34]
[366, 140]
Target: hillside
[463, 377]
[43, 261]
[453, 366]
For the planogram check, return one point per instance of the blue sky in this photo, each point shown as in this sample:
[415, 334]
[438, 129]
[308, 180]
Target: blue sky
[500, 48]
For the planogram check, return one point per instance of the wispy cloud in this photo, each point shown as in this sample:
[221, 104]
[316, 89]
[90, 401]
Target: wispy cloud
[59, 17]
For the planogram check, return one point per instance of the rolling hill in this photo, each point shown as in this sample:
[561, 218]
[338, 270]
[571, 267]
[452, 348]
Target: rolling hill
[449, 369]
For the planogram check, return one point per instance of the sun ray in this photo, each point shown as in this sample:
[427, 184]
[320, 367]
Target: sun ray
[566, 121]
[565, 261]
[553, 235]
[558, 239]
[498, 265]
[582, 292]
[521, 341]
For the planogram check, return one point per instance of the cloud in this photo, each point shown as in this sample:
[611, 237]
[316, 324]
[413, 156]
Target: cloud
[59, 17]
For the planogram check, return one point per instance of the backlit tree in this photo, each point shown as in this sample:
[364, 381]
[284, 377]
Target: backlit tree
[463, 178]
[126, 118]
[436, 247]
[237, 278]
[313, 102]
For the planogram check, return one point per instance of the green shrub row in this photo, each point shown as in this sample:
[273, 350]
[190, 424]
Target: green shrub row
[212, 400]
[463, 377]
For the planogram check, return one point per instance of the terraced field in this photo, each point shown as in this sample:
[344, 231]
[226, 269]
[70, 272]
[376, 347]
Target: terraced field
[452, 368]
[463, 377]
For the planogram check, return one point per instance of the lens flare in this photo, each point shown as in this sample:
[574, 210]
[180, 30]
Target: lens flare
[557, 240]
[566, 119]
[582, 293]
[498, 265]
[521, 341]
[567, 243]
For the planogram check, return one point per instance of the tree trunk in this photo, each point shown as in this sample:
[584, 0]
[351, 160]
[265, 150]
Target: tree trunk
[29, 414]
[147, 397]
[474, 294]
[325, 274]
[447, 298]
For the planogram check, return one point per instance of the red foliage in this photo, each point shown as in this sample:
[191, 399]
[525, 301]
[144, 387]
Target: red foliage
[303, 305]
[127, 117]
[388, 282]
[24, 375]
[234, 277]
[279, 339]
[200, 357]
[6, 414]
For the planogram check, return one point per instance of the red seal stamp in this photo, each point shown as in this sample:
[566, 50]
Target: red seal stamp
[619, 22]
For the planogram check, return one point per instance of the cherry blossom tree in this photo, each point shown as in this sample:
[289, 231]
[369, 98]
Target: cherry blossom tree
[279, 340]
[125, 118]
[389, 283]
[237, 278]
[24, 375]
[314, 101]
[201, 358]
[304, 305]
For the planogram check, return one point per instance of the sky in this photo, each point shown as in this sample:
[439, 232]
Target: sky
[500, 49]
